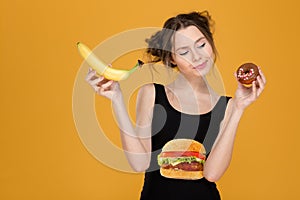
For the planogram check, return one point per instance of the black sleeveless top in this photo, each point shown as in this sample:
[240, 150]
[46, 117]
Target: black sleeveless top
[168, 124]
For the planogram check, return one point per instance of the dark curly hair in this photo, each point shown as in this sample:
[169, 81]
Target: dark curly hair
[160, 44]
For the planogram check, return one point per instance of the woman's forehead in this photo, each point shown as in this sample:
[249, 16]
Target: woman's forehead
[187, 36]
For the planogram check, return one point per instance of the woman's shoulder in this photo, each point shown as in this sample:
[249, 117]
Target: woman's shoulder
[146, 93]
[147, 89]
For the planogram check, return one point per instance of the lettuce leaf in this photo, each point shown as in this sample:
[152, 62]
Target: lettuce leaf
[177, 160]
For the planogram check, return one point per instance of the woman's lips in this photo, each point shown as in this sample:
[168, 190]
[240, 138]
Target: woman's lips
[201, 66]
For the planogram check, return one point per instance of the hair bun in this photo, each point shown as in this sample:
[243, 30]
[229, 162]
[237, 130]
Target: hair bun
[155, 46]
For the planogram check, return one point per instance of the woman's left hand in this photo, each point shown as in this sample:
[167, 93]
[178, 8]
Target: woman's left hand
[244, 96]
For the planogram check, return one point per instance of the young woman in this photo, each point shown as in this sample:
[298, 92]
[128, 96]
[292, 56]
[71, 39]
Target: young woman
[186, 108]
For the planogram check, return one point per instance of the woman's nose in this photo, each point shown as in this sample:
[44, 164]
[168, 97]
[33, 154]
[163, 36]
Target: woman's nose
[196, 55]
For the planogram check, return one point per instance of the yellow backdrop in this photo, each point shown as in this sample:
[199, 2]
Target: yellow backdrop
[42, 156]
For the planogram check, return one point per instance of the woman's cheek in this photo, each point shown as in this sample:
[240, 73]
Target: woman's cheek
[182, 63]
[209, 51]
[184, 60]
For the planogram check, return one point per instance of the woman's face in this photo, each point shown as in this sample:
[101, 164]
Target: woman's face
[192, 53]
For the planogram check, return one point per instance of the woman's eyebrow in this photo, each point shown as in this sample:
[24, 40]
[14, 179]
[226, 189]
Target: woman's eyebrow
[184, 47]
[201, 38]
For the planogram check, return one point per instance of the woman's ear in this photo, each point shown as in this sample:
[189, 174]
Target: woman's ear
[172, 60]
[172, 63]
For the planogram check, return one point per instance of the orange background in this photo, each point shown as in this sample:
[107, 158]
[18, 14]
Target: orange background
[42, 156]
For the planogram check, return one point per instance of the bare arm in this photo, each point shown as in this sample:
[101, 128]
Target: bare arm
[136, 141]
[221, 153]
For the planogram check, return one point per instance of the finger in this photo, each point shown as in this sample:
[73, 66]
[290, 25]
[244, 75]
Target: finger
[96, 88]
[260, 82]
[261, 85]
[90, 75]
[254, 90]
[101, 91]
[91, 70]
[261, 74]
[107, 84]
[96, 81]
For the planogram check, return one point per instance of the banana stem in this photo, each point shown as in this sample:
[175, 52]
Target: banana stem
[138, 65]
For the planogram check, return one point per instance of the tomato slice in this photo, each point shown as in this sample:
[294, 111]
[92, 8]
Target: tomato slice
[182, 154]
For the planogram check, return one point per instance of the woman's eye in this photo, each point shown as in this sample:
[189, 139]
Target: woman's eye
[201, 45]
[183, 53]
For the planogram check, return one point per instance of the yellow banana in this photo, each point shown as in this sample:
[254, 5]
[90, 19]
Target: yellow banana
[103, 69]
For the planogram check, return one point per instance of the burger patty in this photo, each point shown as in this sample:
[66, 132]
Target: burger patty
[193, 166]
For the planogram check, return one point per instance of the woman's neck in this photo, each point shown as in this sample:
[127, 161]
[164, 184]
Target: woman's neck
[191, 96]
[198, 84]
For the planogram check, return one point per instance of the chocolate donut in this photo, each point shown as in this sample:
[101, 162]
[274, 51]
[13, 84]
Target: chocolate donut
[247, 73]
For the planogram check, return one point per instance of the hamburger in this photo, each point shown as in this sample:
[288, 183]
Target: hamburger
[182, 159]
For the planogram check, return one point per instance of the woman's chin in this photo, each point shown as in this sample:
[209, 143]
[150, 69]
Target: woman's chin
[203, 72]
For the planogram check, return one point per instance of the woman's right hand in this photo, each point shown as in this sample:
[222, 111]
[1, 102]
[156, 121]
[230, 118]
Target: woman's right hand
[107, 88]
